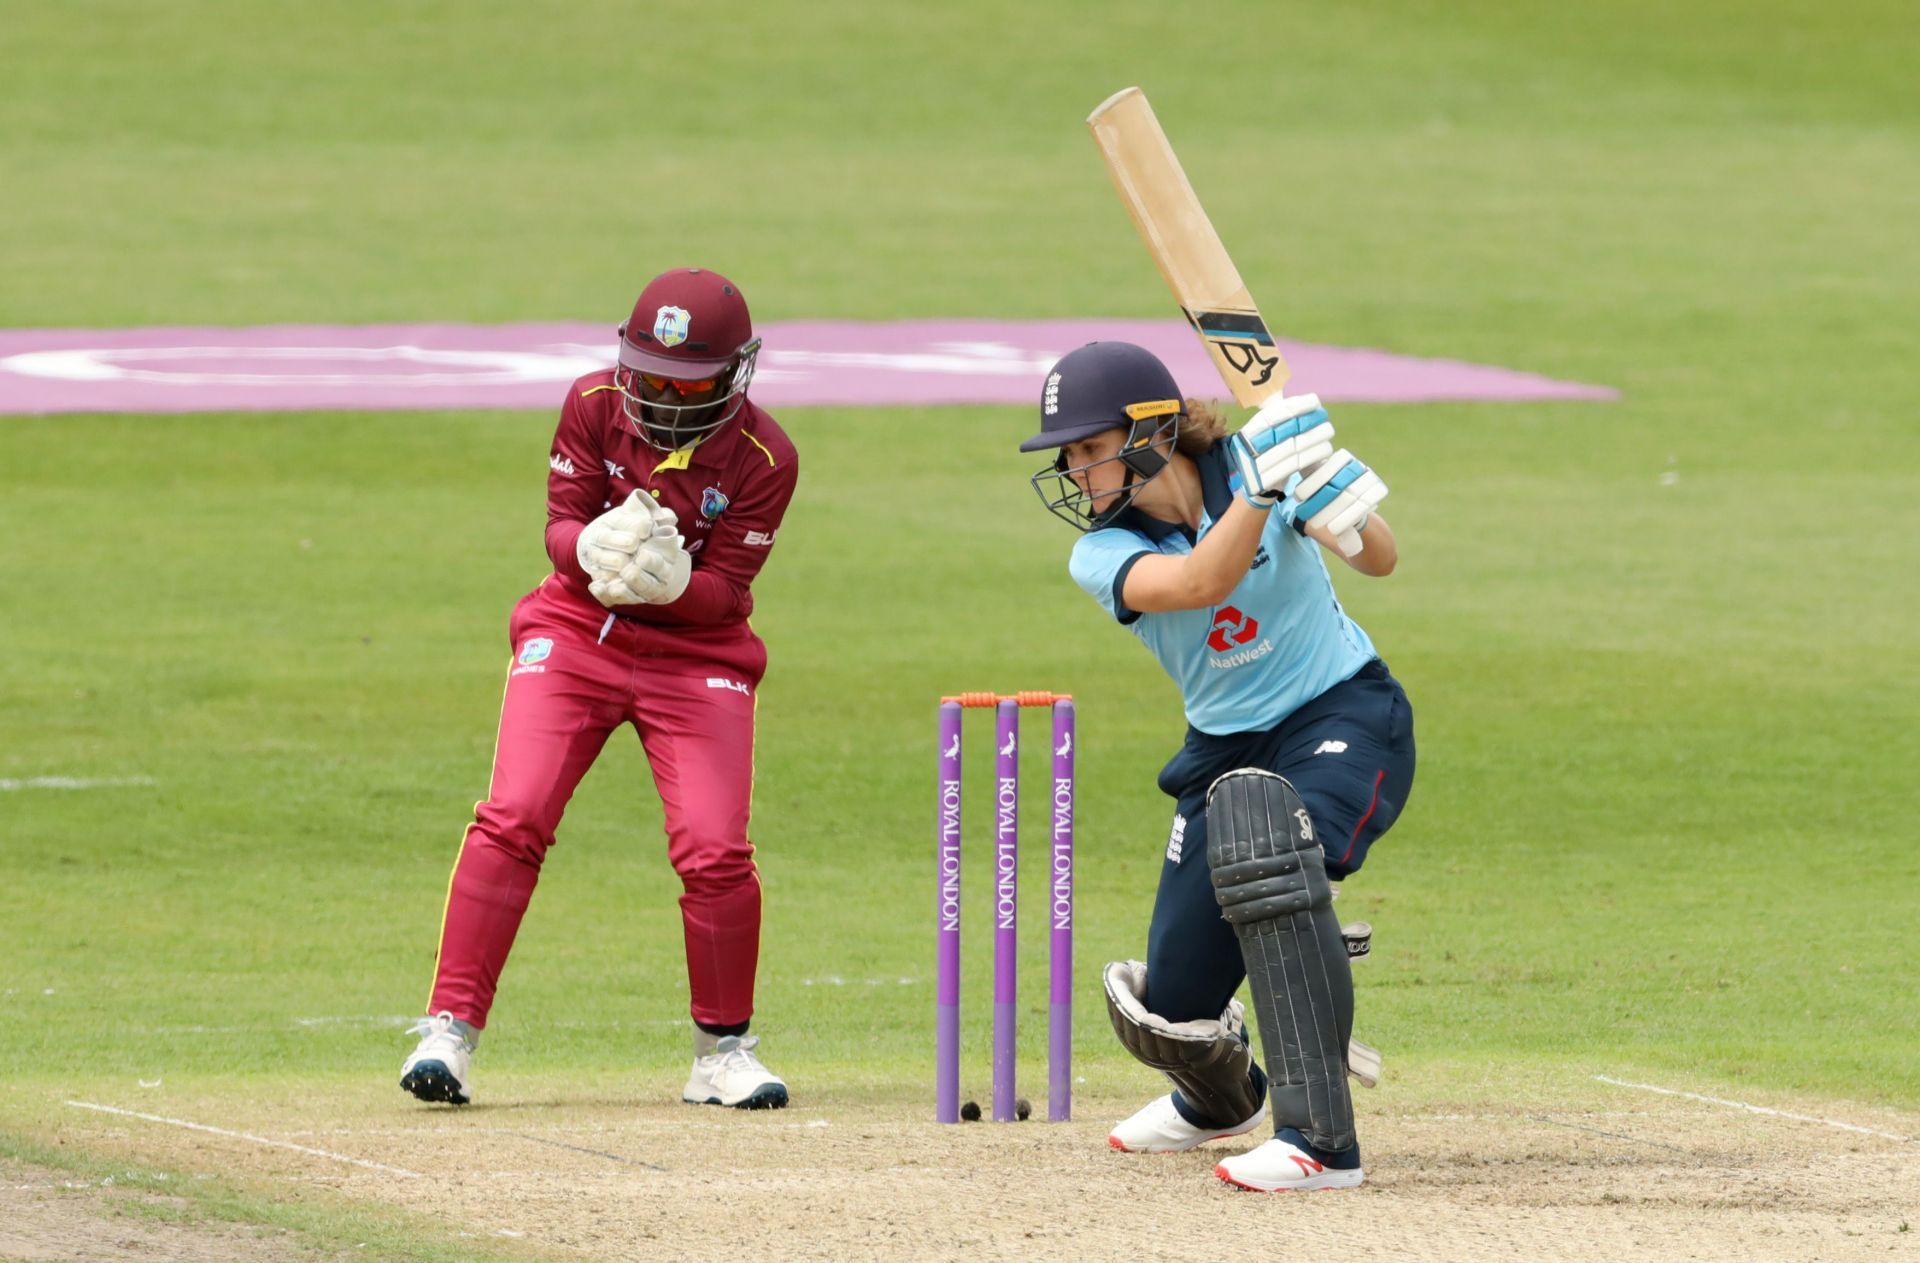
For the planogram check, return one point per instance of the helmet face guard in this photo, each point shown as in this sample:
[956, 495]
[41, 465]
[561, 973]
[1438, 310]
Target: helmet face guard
[1145, 454]
[671, 426]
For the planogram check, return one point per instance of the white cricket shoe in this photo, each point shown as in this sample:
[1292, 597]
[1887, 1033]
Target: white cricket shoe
[1158, 1128]
[437, 1069]
[1279, 1164]
[731, 1075]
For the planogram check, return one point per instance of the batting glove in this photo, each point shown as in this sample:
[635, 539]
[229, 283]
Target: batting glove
[1283, 438]
[1338, 498]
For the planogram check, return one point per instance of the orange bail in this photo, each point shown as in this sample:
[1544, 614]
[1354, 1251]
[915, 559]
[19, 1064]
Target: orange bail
[1024, 698]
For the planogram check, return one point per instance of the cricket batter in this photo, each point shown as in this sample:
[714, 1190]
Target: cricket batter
[1298, 755]
[665, 489]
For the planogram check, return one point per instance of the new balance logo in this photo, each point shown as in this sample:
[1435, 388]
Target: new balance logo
[560, 464]
[1332, 747]
[1307, 1165]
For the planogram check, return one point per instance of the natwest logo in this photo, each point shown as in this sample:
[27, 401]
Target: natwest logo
[1230, 628]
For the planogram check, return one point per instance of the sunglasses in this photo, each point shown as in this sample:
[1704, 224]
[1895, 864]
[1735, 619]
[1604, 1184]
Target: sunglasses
[656, 382]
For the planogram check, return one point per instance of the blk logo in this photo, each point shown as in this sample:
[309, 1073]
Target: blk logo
[1230, 628]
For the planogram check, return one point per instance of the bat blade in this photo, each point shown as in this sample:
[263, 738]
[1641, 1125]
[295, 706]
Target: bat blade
[1183, 243]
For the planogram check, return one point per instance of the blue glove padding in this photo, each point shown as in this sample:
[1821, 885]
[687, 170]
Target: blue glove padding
[1283, 438]
[1340, 478]
[1338, 498]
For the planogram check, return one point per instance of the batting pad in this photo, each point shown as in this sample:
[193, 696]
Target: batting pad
[1208, 1060]
[1271, 882]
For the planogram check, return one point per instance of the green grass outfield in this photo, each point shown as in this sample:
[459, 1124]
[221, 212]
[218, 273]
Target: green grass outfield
[1661, 651]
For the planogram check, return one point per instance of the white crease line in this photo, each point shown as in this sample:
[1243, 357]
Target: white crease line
[1756, 1109]
[8, 784]
[241, 1135]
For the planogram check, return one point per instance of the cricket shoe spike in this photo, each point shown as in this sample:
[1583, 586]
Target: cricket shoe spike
[1159, 1128]
[437, 1069]
[1287, 1162]
[731, 1075]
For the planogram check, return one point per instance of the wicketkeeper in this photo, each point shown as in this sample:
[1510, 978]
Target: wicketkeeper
[1299, 749]
[665, 489]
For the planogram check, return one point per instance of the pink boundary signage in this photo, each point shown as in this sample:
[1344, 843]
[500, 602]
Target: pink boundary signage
[808, 362]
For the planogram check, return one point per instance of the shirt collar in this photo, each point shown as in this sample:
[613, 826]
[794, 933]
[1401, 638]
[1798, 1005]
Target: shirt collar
[1216, 492]
[1132, 519]
[1216, 497]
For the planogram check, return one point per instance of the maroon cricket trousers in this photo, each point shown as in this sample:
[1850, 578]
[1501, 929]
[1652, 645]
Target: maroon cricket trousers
[577, 674]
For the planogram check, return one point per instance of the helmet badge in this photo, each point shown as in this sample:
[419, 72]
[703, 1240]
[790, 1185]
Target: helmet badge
[670, 326]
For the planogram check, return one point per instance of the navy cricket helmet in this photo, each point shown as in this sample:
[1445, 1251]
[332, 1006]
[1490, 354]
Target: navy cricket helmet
[1105, 386]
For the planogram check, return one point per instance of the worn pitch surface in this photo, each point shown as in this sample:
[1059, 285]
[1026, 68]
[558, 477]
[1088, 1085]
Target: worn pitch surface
[1586, 1171]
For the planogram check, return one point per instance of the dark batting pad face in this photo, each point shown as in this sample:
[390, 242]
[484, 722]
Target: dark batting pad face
[1271, 882]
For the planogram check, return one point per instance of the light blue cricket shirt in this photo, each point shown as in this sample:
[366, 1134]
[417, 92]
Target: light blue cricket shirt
[1278, 641]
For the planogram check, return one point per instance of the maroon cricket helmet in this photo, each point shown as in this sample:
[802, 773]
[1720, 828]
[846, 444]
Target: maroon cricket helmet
[690, 325]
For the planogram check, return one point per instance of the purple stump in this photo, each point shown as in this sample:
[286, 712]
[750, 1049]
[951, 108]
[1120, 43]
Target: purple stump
[947, 921]
[1060, 917]
[1006, 901]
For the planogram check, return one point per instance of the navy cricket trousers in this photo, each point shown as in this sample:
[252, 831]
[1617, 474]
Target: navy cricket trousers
[1349, 754]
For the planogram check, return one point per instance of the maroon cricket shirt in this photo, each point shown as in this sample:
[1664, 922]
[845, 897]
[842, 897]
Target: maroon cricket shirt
[730, 494]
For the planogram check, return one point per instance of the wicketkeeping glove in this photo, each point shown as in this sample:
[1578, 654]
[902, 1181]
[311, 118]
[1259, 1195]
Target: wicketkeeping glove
[1283, 438]
[611, 540]
[658, 573]
[1338, 498]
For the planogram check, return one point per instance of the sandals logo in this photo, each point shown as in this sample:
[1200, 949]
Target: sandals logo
[1232, 629]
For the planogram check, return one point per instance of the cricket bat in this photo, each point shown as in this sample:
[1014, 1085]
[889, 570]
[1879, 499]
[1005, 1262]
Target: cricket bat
[1183, 243]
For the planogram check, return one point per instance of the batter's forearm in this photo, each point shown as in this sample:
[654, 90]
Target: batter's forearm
[1220, 560]
[1379, 552]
